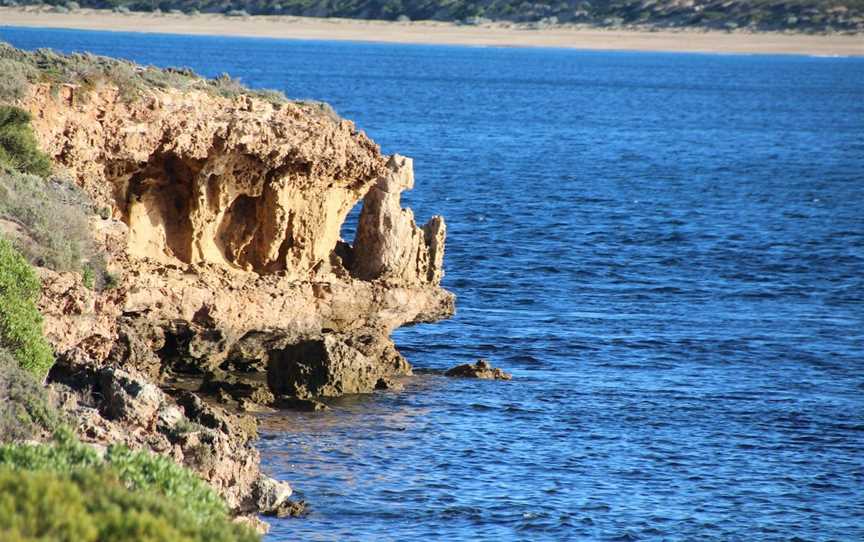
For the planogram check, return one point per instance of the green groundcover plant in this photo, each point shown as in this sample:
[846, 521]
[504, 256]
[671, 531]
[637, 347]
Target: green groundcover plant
[67, 491]
[94, 505]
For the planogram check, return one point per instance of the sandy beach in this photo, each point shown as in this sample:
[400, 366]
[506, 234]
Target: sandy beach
[430, 32]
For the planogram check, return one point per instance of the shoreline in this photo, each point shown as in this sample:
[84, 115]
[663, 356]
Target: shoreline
[441, 33]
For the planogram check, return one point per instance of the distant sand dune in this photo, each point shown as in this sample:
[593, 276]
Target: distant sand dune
[429, 32]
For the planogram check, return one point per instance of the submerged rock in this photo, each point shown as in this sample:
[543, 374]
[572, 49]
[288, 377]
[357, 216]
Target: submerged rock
[244, 388]
[292, 509]
[482, 369]
[387, 383]
[305, 405]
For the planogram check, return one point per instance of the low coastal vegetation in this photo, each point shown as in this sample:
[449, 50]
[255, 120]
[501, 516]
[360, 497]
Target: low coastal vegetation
[118, 495]
[795, 15]
[50, 216]
[21, 68]
[44, 217]
[87, 71]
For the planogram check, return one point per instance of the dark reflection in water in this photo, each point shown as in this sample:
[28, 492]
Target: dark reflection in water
[667, 251]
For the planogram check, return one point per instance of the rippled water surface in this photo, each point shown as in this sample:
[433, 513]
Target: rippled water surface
[667, 251]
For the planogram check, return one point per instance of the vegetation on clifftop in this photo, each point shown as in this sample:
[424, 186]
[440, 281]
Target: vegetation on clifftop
[796, 15]
[18, 149]
[45, 218]
[88, 71]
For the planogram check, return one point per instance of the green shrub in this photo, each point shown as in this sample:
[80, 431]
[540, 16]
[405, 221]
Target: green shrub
[24, 409]
[94, 505]
[150, 472]
[53, 215]
[181, 78]
[138, 470]
[43, 506]
[65, 455]
[226, 86]
[127, 495]
[20, 321]
[18, 148]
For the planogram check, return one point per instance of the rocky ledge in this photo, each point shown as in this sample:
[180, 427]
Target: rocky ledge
[220, 218]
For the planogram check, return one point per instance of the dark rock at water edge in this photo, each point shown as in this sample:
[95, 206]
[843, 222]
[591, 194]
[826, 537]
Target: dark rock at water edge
[295, 403]
[111, 405]
[290, 509]
[482, 369]
[333, 365]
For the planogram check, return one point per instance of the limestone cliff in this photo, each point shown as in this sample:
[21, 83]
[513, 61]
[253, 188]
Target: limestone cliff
[225, 214]
[221, 219]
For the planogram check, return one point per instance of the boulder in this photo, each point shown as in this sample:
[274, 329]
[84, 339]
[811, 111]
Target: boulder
[292, 509]
[138, 340]
[271, 494]
[333, 365]
[240, 427]
[129, 396]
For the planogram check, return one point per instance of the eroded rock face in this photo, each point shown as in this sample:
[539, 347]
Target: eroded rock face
[226, 217]
[223, 229]
[388, 244]
[129, 397]
[76, 317]
[113, 405]
[203, 179]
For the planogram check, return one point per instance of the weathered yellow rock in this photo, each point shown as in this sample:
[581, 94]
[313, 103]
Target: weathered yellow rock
[204, 179]
[226, 214]
[389, 245]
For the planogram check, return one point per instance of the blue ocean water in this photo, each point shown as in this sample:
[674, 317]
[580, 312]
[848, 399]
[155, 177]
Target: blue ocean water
[667, 252]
